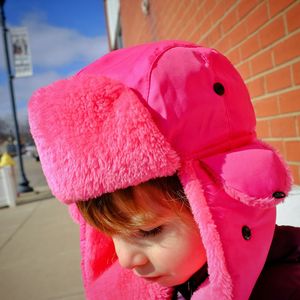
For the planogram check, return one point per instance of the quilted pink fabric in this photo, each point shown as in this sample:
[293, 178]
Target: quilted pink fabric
[150, 111]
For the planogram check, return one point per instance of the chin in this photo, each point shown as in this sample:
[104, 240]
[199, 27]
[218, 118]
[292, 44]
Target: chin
[170, 282]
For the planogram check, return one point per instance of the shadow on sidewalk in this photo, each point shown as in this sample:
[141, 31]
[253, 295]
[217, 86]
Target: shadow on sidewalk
[39, 193]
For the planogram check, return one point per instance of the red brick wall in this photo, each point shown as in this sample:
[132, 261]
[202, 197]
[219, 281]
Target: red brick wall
[261, 38]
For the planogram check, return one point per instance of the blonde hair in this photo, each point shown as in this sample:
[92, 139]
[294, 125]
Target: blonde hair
[125, 211]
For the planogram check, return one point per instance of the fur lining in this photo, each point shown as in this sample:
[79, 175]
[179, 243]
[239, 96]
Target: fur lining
[220, 286]
[75, 214]
[118, 283]
[289, 177]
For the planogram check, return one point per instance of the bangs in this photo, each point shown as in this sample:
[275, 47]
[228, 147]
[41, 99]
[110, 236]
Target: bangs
[126, 211]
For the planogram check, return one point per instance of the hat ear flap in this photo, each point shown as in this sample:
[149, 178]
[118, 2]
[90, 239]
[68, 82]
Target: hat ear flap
[254, 175]
[95, 136]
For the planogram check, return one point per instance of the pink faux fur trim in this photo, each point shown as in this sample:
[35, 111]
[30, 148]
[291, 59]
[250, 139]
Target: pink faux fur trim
[289, 179]
[94, 136]
[75, 214]
[219, 285]
[119, 283]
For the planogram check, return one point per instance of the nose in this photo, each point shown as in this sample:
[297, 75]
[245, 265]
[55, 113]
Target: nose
[130, 255]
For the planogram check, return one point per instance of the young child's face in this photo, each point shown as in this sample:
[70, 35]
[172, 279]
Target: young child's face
[168, 252]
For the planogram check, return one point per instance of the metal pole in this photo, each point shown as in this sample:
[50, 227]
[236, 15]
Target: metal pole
[23, 186]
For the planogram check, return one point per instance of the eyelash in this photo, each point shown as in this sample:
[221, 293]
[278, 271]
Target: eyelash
[153, 232]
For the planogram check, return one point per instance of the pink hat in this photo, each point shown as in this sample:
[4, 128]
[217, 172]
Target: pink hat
[151, 111]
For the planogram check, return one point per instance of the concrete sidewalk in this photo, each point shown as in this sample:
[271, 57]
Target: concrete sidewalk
[39, 253]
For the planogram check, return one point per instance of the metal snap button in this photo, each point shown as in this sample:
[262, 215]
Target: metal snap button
[278, 195]
[219, 88]
[246, 232]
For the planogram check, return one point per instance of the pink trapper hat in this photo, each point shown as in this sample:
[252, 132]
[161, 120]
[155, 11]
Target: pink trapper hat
[151, 111]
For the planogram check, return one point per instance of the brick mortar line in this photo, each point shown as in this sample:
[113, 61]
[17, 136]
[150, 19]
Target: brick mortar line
[292, 74]
[285, 25]
[173, 17]
[145, 28]
[271, 70]
[200, 24]
[297, 126]
[232, 28]
[252, 34]
[260, 28]
[276, 93]
[153, 25]
[153, 10]
[272, 45]
[265, 85]
[284, 146]
[268, 9]
[149, 18]
[181, 29]
[243, 20]
[294, 163]
[281, 139]
[279, 116]
[129, 37]
[187, 24]
[215, 24]
[137, 38]
[163, 8]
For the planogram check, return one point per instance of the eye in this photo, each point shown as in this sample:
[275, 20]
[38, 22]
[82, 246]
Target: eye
[153, 232]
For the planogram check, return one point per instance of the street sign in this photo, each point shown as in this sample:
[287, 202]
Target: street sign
[20, 52]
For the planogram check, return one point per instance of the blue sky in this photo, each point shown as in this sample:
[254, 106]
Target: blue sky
[63, 39]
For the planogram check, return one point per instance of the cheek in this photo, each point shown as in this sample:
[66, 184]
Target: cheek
[196, 248]
[190, 253]
[167, 254]
[190, 248]
[181, 261]
[181, 251]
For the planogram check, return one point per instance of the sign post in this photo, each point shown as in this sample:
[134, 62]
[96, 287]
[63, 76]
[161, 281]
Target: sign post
[23, 183]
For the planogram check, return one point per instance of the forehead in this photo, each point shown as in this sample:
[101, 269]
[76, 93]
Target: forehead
[143, 200]
[150, 203]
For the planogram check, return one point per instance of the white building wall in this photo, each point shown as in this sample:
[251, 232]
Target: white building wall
[112, 13]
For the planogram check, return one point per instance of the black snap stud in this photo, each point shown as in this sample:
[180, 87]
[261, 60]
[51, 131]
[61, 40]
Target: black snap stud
[246, 232]
[279, 195]
[219, 88]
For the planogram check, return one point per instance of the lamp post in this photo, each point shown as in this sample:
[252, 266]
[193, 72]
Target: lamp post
[23, 186]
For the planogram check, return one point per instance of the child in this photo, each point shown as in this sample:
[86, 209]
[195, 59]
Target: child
[153, 231]
[154, 149]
